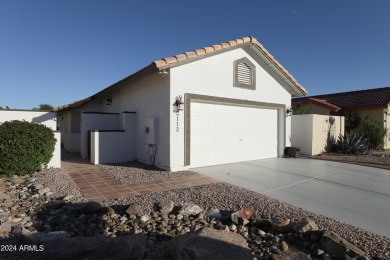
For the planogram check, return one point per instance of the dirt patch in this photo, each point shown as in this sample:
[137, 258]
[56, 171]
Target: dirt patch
[381, 161]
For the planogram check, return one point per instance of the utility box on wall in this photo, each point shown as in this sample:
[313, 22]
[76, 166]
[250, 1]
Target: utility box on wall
[150, 129]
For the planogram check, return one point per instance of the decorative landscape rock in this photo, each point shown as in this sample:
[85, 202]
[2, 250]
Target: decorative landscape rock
[189, 209]
[284, 246]
[207, 243]
[133, 209]
[341, 248]
[39, 237]
[53, 217]
[166, 207]
[43, 191]
[213, 213]
[305, 225]
[68, 198]
[281, 224]
[244, 215]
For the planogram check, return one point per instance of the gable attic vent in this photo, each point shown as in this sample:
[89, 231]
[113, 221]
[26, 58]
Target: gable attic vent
[244, 74]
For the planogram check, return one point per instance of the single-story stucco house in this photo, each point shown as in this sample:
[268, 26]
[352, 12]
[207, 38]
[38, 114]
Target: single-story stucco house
[371, 103]
[215, 105]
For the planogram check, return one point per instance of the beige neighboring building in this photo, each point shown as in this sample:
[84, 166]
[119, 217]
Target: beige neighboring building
[373, 103]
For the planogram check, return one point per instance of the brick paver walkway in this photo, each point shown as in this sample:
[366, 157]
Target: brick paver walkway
[98, 185]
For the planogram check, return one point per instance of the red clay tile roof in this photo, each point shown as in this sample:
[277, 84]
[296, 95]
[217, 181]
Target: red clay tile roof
[368, 98]
[324, 103]
[194, 55]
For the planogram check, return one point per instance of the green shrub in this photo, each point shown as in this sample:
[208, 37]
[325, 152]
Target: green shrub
[352, 143]
[24, 147]
[352, 121]
[375, 132]
[303, 109]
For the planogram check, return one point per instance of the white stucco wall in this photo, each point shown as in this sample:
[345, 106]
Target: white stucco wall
[302, 132]
[148, 98]
[42, 117]
[214, 76]
[55, 161]
[310, 132]
[153, 96]
[115, 146]
[111, 147]
[92, 121]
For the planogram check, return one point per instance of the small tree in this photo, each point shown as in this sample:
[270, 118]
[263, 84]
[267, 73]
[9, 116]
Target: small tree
[24, 147]
[44, 107]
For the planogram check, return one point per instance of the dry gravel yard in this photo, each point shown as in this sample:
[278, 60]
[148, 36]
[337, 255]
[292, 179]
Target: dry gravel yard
[223, 196]
[377, 160]
[134, 172]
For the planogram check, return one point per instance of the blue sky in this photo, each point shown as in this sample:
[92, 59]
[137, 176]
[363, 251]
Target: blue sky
[57, 52]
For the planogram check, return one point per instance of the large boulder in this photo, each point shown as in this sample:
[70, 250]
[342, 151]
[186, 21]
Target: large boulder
[124, 247]
[208, 243]
[334, 244]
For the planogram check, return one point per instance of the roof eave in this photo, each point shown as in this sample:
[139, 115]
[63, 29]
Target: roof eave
[297, 89]
[110, 89]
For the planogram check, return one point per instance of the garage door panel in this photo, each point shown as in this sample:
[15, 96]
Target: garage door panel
[196, 107]
[224, 134]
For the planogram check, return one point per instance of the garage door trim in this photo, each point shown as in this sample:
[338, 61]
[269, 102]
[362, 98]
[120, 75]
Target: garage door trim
[189, 97]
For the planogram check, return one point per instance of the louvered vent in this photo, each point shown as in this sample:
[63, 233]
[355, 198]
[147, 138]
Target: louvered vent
[244, 74]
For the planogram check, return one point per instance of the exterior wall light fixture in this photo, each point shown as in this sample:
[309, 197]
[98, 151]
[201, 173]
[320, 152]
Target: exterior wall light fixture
[289, 112]
[163, 72]
[178, 105]
[108, 101]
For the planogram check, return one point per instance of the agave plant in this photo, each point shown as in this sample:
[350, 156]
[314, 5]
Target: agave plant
[352, 142]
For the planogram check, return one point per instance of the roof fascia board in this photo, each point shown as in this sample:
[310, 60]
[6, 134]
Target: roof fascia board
[271, 63]
[128, 80]
[114, 87]
[278, 70]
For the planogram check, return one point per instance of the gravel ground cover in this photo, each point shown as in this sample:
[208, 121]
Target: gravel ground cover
[223, 196]
[228, 197]
[133, 172]
[377, 160]
[60, 183]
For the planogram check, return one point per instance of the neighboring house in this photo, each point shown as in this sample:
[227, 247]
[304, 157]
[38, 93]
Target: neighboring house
[232, 100]
[373, 103]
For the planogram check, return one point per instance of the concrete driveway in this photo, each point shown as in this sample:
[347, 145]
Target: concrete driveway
[357, 195]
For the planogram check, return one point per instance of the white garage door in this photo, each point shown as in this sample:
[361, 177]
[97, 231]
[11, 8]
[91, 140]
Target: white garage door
[225, 134]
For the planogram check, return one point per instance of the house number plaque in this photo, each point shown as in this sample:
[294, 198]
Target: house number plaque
[177, 122]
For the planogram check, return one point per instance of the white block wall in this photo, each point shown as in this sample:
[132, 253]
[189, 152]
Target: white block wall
[45, 118]
[310, 132]
[55, 161]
